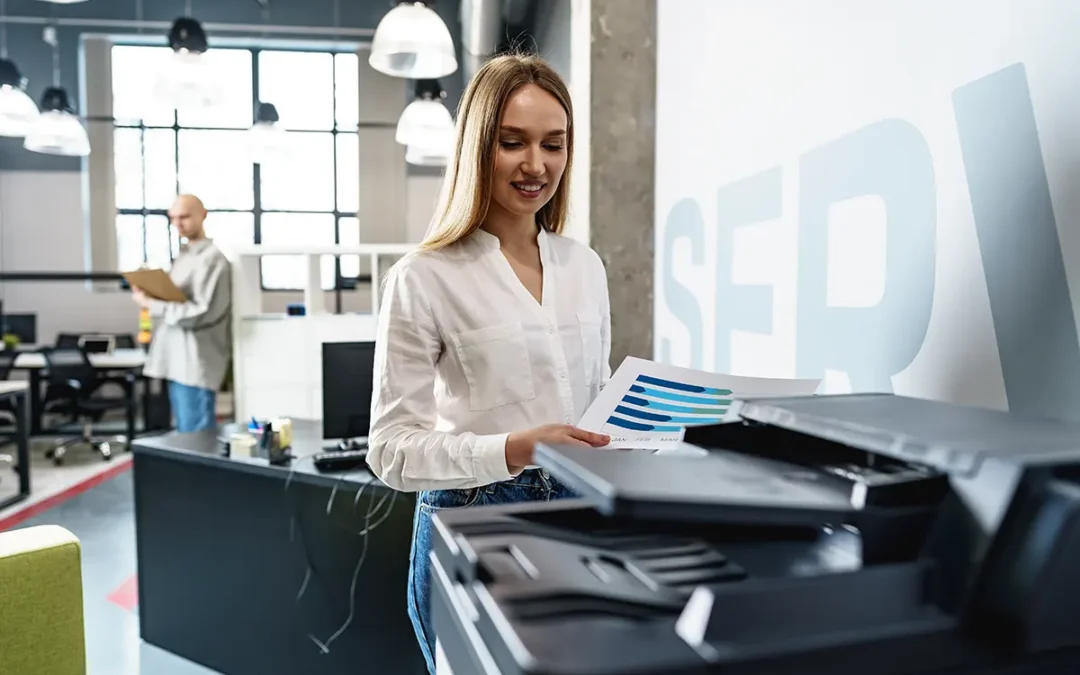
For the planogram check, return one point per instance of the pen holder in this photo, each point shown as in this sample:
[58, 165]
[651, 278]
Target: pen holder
[277, 452]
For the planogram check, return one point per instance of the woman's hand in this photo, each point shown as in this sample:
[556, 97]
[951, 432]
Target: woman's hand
[520, 444]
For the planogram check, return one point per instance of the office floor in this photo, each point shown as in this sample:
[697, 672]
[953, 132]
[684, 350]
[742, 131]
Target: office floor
[103, 519]
[49, 482]
[81, 468]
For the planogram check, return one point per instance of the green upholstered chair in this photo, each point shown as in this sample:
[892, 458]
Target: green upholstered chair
[41, 603]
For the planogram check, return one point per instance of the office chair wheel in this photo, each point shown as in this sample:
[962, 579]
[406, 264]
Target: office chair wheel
[105, 449]
[57, 455]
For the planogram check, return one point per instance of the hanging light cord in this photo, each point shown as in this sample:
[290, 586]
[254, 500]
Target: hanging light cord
[187, 8]
[3, 29]
[337, 23]
[49, 36]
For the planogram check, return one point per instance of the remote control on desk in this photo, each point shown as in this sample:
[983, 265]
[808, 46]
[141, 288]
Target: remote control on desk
[340, 460]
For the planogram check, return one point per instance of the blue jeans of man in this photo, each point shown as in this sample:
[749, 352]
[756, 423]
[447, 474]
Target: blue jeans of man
[531, 485]
[193, 407]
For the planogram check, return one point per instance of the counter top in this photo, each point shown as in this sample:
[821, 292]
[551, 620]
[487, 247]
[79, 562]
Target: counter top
[208, 447]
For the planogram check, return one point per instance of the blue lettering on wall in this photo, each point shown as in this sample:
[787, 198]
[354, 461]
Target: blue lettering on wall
[684, 221]
[1017, 232]
[889, 159]
[1018, 241]
[738, 307]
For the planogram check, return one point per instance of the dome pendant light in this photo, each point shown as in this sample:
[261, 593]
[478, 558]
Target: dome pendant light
[413, 42]
[57, 131]
[186, 80]
[420, 156]
[435, 150]
[425, 121]
[266, 139]
[18, 112]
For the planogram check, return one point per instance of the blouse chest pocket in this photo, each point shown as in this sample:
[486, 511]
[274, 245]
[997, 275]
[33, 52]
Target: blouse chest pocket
[592, 346]
[497, 366]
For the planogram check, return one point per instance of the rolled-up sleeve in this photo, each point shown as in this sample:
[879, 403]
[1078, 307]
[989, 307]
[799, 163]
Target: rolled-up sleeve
[405, 450]
[211, 293]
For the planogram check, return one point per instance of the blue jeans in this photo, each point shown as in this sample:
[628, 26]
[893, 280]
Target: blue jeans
[194, 408]
[531, 485]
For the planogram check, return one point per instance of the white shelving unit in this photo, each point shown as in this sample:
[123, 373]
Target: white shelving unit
[277, 359]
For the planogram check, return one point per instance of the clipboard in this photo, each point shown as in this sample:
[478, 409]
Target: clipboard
[156, 284]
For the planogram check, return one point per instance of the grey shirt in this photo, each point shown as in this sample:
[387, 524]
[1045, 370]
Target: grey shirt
[192, 341]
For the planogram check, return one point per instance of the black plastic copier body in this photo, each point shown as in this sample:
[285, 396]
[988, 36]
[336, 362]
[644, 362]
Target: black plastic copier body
[846, 534]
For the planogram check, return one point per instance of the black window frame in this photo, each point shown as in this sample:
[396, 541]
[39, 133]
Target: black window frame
[340, 282]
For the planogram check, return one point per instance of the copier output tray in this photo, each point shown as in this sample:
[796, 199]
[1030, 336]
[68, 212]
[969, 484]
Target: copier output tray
[557, 588]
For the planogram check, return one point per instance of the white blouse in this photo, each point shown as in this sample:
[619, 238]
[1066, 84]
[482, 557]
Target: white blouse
[464, 355]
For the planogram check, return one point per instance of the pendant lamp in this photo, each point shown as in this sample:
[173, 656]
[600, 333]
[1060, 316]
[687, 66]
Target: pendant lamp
[186, 80]
[18, 112]
[266, 138]
[413, 42]
[425, 121]
[57, 130]
[436, 150]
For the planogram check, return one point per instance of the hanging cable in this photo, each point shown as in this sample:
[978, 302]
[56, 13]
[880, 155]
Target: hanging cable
[49, 37]
[337, 23]
[3, 29]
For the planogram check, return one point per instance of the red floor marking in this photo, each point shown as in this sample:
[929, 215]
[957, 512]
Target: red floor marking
[126, 595]
[28, 512]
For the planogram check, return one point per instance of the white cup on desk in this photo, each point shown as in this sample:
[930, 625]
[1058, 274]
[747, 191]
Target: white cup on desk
[241, 444]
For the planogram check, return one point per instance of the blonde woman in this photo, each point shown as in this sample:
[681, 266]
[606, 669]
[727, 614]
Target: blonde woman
[495, 335]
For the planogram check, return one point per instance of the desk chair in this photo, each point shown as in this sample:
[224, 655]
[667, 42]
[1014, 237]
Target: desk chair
[7, 409]
[68, 340]
[71, 340]
[7, 362]
[72, 382]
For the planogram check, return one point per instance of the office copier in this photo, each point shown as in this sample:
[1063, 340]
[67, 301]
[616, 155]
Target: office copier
[828, 534]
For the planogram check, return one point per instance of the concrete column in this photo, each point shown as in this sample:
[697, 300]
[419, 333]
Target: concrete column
[383, 189]
[621, 161]
[99, 177]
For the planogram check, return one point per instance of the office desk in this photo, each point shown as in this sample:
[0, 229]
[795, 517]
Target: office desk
[15, 391]
[119, 359]
[223, 551]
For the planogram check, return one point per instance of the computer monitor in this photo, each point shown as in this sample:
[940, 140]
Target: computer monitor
[347, 373]
[22, 326]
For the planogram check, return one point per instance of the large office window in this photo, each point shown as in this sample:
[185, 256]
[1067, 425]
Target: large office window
[311, 198]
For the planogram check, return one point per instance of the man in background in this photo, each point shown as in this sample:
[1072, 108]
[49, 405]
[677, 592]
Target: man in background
[191, 343]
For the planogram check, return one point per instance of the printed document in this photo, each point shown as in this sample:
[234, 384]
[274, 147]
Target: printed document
[649, 405]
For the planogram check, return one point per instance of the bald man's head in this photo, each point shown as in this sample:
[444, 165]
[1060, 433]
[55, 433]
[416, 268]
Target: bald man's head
[187, 215]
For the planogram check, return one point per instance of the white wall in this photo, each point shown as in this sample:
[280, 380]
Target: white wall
[580, 36]
[42, 230]
[880, 193]
[41, 215]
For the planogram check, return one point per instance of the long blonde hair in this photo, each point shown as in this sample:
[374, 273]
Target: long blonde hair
[466, 191]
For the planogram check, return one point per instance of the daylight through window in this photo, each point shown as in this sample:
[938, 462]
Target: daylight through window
[311, 198]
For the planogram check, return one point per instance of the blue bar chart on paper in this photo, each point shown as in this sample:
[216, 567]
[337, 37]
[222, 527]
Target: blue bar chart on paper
[656, 404]
[649, 405]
